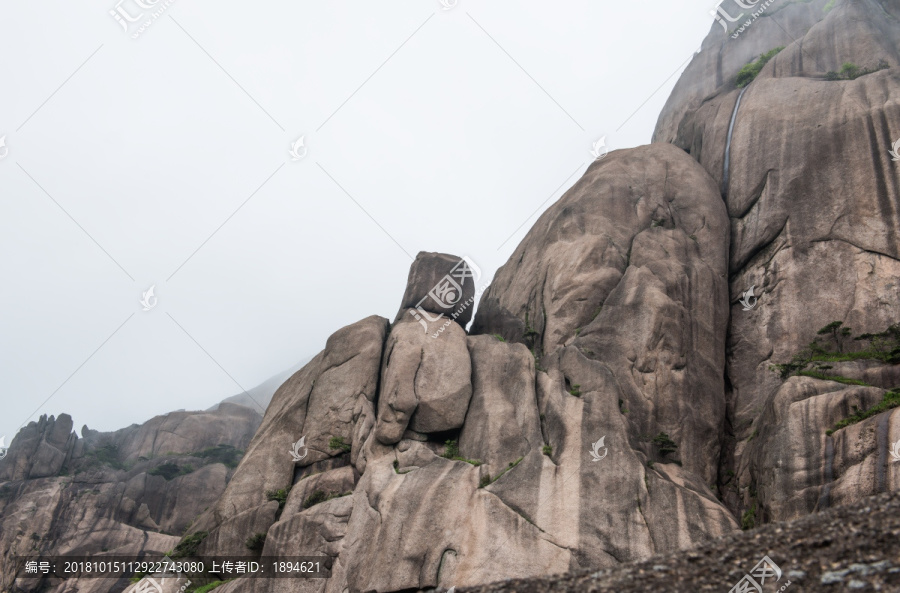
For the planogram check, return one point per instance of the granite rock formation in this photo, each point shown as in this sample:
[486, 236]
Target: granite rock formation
[813, 199]
[618, 395]
[124, 493]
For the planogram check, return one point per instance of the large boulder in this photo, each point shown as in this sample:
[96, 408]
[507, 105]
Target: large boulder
[440, 285]
[425, 379]
[620, 291]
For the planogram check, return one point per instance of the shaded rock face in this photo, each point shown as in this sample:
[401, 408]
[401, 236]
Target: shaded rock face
[440, 285]
[121, 493]
[812, 195]
[503, 423]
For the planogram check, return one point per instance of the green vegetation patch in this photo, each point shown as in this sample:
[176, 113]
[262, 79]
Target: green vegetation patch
[320, 496]
[836, 378]
[188, 546]
[225, 454]
[748, 73]
[665, 444]
[451, 451]
[106, 454]
[339, 443]
[486, 479]
[836, 345]
[850, 71]
[209, 587]
[748, 519]
[170, 470]
[256, 542]
[280, 495]
[890, 401]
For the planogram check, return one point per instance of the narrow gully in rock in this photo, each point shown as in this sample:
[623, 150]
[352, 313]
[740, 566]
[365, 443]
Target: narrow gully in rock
[825, 498]
[727, 167]
[881, 448]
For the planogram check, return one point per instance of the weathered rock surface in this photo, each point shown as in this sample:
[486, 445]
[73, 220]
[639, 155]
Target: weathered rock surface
[426, 379]
[812, 195]
[633, 348]
[503, 423]
[319, 403]
[121, 493]
[615, 400]
[442, 285]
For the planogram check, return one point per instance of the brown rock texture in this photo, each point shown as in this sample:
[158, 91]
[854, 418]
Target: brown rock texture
[617, 396]
[813, 197]
[124, 493]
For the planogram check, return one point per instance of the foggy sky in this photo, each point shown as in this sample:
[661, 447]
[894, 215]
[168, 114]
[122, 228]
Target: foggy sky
[164, 160]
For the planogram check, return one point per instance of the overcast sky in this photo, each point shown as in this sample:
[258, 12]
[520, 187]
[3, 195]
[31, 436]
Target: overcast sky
[164, 161]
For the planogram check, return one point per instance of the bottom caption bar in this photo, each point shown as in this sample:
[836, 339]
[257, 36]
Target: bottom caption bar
[117, 567]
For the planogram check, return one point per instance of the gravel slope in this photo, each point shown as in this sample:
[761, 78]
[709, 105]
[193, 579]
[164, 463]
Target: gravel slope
[850, 548]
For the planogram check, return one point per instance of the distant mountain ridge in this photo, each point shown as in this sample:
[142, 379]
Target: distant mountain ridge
[258, 397]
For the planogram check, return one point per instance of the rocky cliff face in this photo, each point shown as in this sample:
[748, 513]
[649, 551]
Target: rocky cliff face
[124, 493]
[813, 199]
[618, 395]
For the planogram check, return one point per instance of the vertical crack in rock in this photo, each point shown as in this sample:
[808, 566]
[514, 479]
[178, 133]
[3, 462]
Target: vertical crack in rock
[726, 170]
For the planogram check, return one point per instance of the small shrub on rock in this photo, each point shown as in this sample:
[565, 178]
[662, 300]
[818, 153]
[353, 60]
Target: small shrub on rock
[256, 542]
